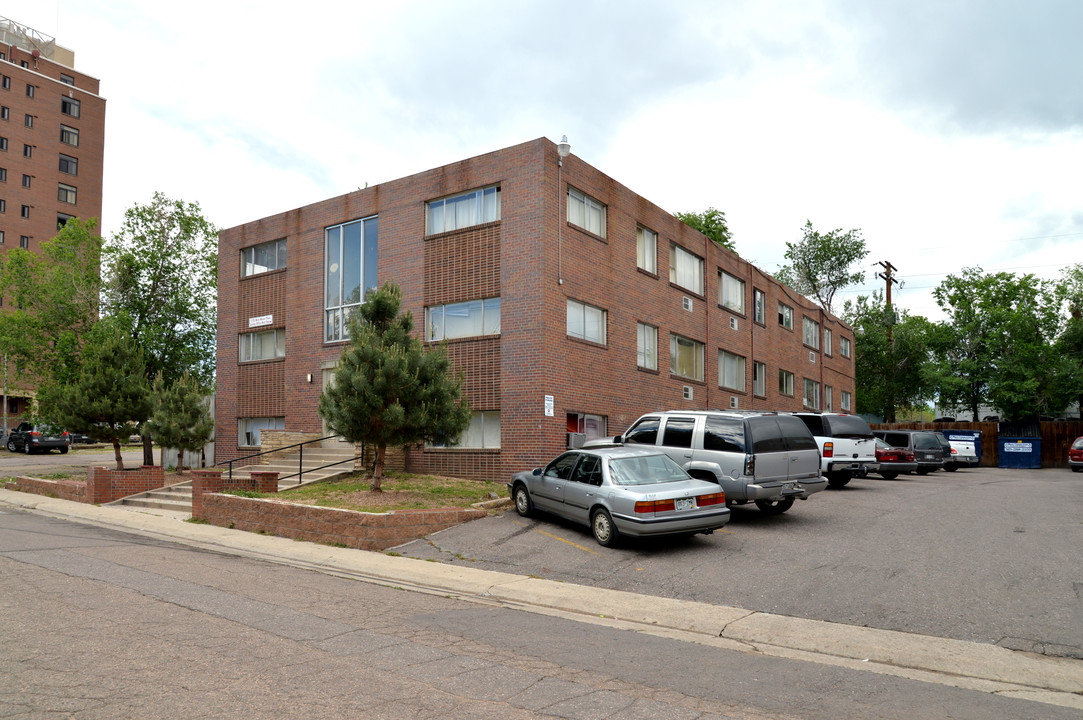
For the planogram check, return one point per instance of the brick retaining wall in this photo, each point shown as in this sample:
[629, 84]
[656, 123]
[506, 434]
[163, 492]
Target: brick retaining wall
[103, 485]
[74, 490]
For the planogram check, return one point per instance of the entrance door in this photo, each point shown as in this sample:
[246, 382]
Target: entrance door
[329, 381]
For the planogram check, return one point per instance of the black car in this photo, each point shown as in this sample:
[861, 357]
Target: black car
[30, 438]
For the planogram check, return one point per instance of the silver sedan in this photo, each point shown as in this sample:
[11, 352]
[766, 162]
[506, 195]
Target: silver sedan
[633, 491]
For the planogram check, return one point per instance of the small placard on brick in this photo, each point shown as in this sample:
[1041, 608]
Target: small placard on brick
[261, 321]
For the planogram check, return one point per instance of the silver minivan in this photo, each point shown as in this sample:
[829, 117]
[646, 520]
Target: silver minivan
[767, 458]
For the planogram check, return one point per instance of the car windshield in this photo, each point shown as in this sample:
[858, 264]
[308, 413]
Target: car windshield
[1078, 444]
[645, 470]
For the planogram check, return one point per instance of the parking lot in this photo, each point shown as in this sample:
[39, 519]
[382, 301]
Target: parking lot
[988, 555]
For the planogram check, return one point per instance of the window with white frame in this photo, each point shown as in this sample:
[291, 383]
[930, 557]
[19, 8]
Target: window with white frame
[759, 300]
[646, 346]
[812, 394]
[827, 341]
[483, 433]
[731, 371]
[686, 357]
[846, 401]
[785, 316]
[759, 379]
[586, 322]
[249, 429]
[785, 383]
[586, 212]
[350, 251]
[828, 401]
[263, 257]
[647, 250]
[472, 318]
[593, 426]
[463, 210]
[731, 292]
[810, 331]
[844, 346]
[262, 345]
[685, 269]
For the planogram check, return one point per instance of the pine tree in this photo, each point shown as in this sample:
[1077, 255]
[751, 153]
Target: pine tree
[181, 418]
[389, 390]
[109, 396]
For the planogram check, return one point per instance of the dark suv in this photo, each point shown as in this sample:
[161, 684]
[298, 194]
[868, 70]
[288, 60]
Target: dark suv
[30, 438]
[926, 447]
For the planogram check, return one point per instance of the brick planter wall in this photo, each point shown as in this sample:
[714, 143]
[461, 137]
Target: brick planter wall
[359, 530]
[104, 485]
[213, 481]
[74, 490]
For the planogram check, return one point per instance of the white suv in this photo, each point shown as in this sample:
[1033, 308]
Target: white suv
[764, 457]
[847, 445]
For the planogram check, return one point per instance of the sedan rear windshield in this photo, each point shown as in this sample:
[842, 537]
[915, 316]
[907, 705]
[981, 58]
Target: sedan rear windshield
[648, 470]
[848, 426]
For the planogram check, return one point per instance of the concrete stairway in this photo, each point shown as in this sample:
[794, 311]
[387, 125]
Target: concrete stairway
[178, 498]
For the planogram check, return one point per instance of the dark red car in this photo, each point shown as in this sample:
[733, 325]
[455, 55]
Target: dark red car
[894, 461]
[1075, 455]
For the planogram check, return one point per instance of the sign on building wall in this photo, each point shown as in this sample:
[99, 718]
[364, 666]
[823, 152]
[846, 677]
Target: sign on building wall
[548, 406]
[261, 321]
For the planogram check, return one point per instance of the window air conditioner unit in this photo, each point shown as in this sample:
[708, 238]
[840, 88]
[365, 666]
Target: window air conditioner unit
[687, 392]
[733, 402]
[734, 325]
[576, 440]
[686, 303]
[811, 357]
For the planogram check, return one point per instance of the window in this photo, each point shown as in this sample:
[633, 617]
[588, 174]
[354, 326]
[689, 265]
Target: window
[731, 292]
[646, 346]
[256, 259]
[785, 316]
[67, 79]
[24, 241]
[349, 272]
[586, 212]
[6, 82]
[459, 211]
[1, 237]
[685, 357]
[69, 135]
[679, 432]
[844, 346]
[828, 403]
[846, 401]
[28, 120]
[29, 90]
[3, 174]
[685, 269]
[810, 330]
[645, 432]
[4, 144]
[759, 379]
[69, 106]
[724, 434]
[484, 432]
[3, 205]
[812, 394]
[25, 211]
[731, 371]
[586, 322]
[69, 165]
[593, 426]
[23, 63]
[28, 151]
[62, 220]
[26, 180]
[5, 113]
[249, 429]
[466, 319]
[827, 341]
[785, 383]
[263, 345]
[647, 250]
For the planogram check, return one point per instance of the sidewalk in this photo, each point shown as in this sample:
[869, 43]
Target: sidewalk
[967, 665]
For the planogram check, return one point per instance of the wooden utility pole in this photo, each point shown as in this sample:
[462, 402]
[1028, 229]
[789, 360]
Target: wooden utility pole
[888, 276]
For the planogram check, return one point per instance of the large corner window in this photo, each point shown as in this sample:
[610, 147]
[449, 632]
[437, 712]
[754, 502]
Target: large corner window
[263, 257]
[249, 429]
[586, 212]
[463, 210]
[731, 371]
[686, 357]
[263, 345]
[465, 319]
[685, 269]
[731, 292]
[586, 322]
[350, 252]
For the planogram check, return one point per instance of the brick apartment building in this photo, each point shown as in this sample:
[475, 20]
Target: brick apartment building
[52, 139]
[571, 305]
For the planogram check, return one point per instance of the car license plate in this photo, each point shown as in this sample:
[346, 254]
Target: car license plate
[686, 503]
[789, 485]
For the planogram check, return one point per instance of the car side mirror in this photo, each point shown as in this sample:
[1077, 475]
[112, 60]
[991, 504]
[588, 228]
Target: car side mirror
[537, 471]
[618, 439]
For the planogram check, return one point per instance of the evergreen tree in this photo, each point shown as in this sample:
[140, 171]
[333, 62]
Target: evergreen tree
[389, 390]
[181, 418]
[109, 395]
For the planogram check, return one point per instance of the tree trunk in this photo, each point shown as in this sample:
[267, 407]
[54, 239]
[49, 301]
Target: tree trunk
[116, 452]
[378, 468]
[148, 450]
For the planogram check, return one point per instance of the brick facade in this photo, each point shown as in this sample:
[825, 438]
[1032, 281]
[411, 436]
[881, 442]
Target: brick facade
[534, 260]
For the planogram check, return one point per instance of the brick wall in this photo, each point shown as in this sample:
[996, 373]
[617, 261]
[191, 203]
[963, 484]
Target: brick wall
[73, 490]
[105, 485]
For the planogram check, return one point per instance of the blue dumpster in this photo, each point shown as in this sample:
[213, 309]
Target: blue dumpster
[973, 436]
[1020, 452]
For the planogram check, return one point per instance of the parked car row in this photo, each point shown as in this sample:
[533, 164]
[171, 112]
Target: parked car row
[29, 438]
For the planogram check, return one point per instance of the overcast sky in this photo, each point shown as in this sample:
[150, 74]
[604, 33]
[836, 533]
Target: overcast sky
[950, 132]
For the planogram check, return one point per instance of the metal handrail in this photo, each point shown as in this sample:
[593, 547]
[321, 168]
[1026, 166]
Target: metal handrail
[300, 459]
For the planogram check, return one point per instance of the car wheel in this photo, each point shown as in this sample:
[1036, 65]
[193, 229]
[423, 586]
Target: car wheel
[776, 506]
[1077, 469]
[521, 497]
[889, 475]
[26, 448]
[923, 471]
[63, 451]
[605, 532]
[950, 468]
[11, 446]
[837, 480]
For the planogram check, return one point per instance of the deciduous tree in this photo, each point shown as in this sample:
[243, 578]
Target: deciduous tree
[821, 263]
[712, 223]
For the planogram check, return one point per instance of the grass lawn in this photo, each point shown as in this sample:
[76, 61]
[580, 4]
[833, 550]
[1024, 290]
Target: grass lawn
[401, 492]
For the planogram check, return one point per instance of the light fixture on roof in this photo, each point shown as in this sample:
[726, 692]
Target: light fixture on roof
[564, 147]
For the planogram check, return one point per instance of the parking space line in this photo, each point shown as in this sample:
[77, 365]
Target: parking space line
[577, 545]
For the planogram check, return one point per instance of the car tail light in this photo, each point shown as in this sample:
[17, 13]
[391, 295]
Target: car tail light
[649, 506]
[829, 449]
[954, 451]
[712, 499]
[35, 433]
[750, 465]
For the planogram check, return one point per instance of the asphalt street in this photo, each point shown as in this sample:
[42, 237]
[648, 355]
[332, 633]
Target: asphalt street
[12, 464]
